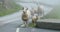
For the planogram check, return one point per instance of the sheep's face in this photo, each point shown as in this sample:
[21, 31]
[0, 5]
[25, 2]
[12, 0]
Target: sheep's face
[24, 12]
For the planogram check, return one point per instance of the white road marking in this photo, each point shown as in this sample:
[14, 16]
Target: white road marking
[17, 30]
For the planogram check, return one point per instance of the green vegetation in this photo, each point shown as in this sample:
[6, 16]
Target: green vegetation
[5, 11]
[54, 14]
[32, 25]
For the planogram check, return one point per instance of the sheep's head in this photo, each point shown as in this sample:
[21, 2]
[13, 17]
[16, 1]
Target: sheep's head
[24, 12]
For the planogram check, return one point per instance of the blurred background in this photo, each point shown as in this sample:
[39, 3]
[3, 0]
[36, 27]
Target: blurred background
[11, 10]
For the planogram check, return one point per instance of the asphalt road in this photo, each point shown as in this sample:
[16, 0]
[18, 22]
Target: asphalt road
[12, 27]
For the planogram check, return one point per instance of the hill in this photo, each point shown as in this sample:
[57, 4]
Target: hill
[54, 14]
[9, 8]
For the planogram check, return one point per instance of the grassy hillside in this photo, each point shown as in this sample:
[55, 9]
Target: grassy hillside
[14, 8]
[54, 14]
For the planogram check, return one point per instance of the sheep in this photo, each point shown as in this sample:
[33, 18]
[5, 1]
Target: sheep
[34, 19]
[25, 16]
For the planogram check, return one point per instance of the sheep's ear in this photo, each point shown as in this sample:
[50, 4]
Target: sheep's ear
[36, 16]
[26, 8]
[23, 8]
[23, 11]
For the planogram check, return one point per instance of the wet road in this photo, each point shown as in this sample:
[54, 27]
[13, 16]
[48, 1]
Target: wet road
[12, 26]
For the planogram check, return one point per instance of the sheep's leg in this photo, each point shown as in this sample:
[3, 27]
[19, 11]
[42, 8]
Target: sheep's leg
[26, 23]
[22, 25]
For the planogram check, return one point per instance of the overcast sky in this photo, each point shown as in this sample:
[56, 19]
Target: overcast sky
[50, 2]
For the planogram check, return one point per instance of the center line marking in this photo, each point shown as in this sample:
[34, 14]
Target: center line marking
[17, 30]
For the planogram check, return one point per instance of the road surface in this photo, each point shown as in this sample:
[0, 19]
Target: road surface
[11, 17]
[12, 27]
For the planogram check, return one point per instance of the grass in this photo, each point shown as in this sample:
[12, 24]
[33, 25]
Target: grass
[54, 14]
[15, 8]
[31, 25]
